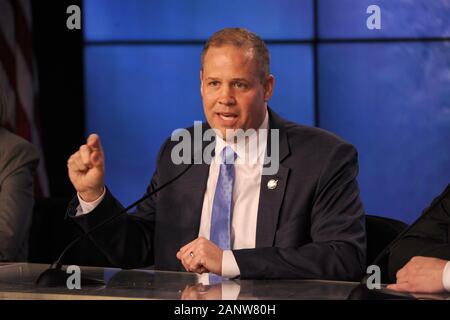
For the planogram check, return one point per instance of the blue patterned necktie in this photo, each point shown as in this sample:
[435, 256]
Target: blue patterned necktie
[221, 211]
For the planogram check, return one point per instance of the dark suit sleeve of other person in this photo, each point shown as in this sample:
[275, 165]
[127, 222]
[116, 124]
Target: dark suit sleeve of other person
[430, 237]
[18, 162]
[128, 241]
[323, 170]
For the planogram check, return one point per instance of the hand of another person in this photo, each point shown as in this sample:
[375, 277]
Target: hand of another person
[201, 255]
[420, 274]
[86, 169]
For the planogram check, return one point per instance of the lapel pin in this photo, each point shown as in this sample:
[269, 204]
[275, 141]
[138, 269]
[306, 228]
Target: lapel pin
[272, 184]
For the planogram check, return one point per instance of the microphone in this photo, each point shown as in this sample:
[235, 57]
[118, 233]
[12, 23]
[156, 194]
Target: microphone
[54, 276]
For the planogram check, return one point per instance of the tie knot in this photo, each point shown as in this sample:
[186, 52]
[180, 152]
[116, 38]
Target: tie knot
[228, 155]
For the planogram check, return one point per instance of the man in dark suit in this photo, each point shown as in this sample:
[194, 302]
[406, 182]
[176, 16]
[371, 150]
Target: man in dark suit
[234, 219]
[420, 260]
[18, 163]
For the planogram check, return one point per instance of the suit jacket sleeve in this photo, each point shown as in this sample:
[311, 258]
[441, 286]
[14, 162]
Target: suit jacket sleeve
[430, 237]
[337, 249]
[17, 170]
[135, 230]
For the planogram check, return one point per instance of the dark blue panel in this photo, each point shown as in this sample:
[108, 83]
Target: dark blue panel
[136, 96]
[195, 19]
[399, 18]
[392, 102]
[293, 96]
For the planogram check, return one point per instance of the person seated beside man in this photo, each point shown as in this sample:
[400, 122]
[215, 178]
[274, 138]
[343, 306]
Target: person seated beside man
[420, 260]
[18, 163]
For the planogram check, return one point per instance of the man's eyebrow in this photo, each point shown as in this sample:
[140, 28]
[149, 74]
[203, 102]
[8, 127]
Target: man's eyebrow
[240, 79]
[233, 79]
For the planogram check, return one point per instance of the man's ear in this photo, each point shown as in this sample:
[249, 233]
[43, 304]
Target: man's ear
[268, 87]
[201, 82]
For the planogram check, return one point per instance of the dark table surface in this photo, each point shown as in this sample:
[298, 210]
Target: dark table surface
[18, 281]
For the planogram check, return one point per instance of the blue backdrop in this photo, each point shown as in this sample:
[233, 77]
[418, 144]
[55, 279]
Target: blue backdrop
[385, 91]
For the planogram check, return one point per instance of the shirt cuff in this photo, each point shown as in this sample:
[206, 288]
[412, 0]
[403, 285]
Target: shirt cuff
[86, 207]
[446, 277]
[230, 290]
[230, 268]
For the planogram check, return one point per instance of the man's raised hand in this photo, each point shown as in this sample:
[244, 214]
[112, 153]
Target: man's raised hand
[86, 169]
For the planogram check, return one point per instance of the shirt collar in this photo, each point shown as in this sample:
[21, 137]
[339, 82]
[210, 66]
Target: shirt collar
[255, 144]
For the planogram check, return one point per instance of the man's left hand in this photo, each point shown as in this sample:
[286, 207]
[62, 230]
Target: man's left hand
[201, 255]
[420, 274]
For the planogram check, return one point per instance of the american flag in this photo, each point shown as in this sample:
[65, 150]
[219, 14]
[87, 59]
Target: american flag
[18, 78]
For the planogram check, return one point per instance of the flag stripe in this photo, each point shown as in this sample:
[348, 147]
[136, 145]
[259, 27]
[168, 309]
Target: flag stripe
[21, 124]
[23, 127]
[7, 22]
[16, 77]
[10, 113]
[8, 60]
[23, 35]
[26, 10]
[24, 86]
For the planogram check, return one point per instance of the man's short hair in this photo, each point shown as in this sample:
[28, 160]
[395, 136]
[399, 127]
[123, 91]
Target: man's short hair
[241, 38]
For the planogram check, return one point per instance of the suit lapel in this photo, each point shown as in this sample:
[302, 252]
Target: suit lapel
[270, 199]
[198, 178]
[272, 189]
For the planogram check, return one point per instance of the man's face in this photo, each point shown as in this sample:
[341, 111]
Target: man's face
[231, 88]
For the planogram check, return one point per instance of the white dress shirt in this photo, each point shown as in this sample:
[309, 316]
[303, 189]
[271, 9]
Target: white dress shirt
[245, 201]
[248, 171]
